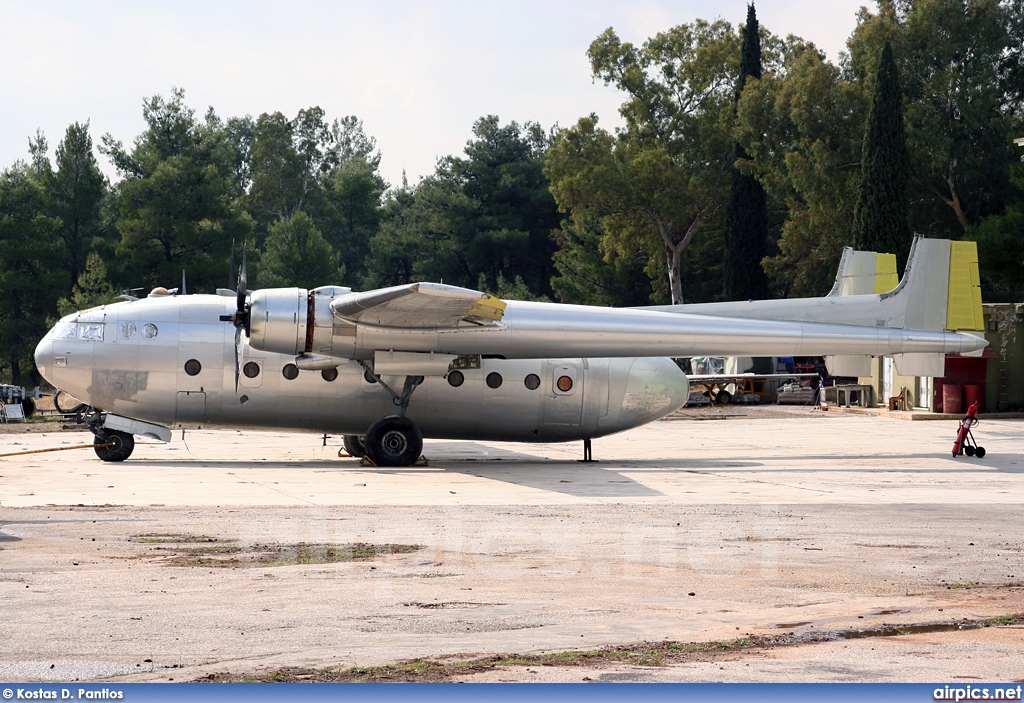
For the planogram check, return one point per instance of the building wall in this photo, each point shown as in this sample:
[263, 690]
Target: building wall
[1004, 329]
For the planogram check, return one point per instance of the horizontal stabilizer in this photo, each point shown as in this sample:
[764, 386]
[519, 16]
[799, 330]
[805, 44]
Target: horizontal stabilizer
[850, 365]
[920, 364]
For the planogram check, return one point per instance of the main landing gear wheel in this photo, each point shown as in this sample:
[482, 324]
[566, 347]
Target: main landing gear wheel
[354, 445]
[393, 441]
[121, 445]
[723, 397]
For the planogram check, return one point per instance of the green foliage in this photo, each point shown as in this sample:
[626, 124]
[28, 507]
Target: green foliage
[92, 288]
[352, 212]
[880, 217]
[664, 178]
[176, 204]
[1000, 241]
[746, 221]
[963, 92]
[478, 217]
[589, 276]
[296, 254]
[31, 277]
[76, 192]
[802, 127]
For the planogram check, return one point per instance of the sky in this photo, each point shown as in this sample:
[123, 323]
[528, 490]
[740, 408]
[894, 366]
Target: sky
[418, 74]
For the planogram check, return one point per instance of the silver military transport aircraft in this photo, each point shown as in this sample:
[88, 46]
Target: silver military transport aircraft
[387, 367]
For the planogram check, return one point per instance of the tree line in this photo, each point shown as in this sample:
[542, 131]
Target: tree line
[745, 162]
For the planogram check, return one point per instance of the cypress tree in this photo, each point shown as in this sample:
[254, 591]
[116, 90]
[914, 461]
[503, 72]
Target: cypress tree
[880, 221]
[746, 221]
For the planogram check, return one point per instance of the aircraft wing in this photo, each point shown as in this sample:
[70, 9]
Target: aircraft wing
[419, 305]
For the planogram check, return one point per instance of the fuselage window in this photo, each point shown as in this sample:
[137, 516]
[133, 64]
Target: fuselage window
[532, 381]
[564, 384]
[456, 379]
[290, 371]
[193, 367]
[329, 374]
[128, 330]
[149, 330]
[251, 369]
[494, 379]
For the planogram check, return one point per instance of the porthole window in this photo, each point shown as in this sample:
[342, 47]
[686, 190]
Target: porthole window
[128, 330]
[456, 379]
[370, 378]
[329, 374]
[532, 381]
[193, 367]
[290, 371]
[494, 380]
[149, 330]
[251, 369]
[564, 384]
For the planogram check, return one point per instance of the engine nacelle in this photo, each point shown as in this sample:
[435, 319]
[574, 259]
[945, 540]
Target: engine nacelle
[278, 319]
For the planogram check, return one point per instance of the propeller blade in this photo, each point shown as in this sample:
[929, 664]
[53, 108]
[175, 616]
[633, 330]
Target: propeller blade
[238, 355]
[243, 285]
[183, 291]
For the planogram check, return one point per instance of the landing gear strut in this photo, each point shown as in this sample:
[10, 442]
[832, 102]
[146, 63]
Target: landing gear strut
[393, 440]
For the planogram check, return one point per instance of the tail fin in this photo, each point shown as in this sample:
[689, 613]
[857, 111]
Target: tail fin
[863, 273]
[940, 288]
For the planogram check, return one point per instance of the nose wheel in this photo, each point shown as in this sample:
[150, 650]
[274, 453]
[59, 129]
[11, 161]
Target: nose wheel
[112, 445]
[393, 441]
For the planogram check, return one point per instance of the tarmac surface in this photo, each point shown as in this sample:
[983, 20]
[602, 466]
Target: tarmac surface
[710, 526]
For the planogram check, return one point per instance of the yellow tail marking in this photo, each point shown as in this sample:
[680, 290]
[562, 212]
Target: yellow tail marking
[885, 273]
[963, 306]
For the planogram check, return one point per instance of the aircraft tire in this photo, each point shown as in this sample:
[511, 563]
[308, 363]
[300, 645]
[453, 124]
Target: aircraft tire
[123, 445]
[723, 397]
[354, 445]
[28, 407]
[393, 441]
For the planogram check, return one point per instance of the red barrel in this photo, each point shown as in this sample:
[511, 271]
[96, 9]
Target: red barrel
[974, 394]
[952, 399]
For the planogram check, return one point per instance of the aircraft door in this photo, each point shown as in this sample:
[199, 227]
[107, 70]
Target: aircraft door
[190, 411]
[563, 396]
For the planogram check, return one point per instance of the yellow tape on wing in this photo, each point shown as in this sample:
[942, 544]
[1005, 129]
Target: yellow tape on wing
[885, 273]
[963, 302]
[488, 308]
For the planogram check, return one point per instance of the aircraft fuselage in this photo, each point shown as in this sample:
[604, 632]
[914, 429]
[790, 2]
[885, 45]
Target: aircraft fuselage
[170, 360]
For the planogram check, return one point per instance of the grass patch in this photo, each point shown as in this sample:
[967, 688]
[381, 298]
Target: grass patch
[964, 584]
[203, 551]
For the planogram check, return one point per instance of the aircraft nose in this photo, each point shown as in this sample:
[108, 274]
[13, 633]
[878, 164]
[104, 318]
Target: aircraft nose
[44, 357]
[656, 387]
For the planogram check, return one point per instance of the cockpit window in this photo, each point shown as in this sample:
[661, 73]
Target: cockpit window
[67, 330]
[90, 331]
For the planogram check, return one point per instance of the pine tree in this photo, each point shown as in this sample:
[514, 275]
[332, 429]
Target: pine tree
[880, 221]
[746, 221]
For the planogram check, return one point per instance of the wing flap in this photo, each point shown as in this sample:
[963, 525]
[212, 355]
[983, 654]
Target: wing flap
[419, 305]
